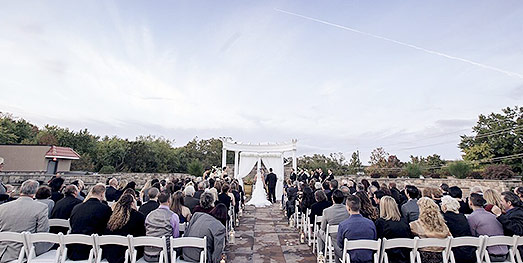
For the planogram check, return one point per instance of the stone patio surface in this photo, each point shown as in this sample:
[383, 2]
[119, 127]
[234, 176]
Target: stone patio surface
[265, 236]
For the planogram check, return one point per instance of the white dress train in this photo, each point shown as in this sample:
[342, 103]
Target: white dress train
[259, 196]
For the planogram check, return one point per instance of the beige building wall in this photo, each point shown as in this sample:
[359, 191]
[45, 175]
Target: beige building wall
[22, 158]
[64, 165]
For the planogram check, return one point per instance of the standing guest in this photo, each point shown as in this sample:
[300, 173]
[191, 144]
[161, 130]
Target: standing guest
[330, 175]
[455, 192]
[483, 223]
[189, 200]
[201, 189]
[125, 220]
[237, 197]
[183, 212]
[430, 224]
[205, 225]
[366, 208]
[332, 216]
[356, 227]
[152, 204]
[220, 213]
[64, 207]
[459, 227]
[292, 196]
[410, 209]
[307, 199]
[89, 217]
[320, 205]
[391, 225]
[112, 193]
[23, 214]
[224, 196]
[161, 222]
[43, 195]
[56, 185]
[206, 203]
[493, 198]
[292, 176]
[512, 220]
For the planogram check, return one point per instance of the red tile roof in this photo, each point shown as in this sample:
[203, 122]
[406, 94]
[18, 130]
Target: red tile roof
[62, 153]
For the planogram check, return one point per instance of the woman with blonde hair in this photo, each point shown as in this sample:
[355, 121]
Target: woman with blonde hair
[458, 227]
[392, 225]
[493, 198]
[430, 224]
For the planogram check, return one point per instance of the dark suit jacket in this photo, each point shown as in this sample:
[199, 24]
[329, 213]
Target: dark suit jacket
[394, 229]
[62, 210]
[459, 227]
[148, 207]
[191, 202]
[111, 194]
[317, 209]
[271, 180]
[197, 194]
[87, 218]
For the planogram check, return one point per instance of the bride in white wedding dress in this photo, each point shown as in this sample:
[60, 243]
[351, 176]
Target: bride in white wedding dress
[259, 196]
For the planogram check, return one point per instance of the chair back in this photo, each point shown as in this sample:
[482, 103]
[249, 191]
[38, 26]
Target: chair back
[433, 242]
[374, 245]
[16, 238]
[79, 239]
[157, 242]
[59, 223]
[33, 238]
[510, 242]
[112, 240]
[456, 242]
[409, 243]
[194, 242]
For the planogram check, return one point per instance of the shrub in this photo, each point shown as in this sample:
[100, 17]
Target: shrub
[476, 175]
[498, 171]
[107, 169]
[392, 175]
[459, 169]
[413, 170]
[375, 175]
[195, 168]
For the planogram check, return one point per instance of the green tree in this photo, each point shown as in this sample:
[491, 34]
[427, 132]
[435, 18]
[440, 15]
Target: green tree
[413, 170]
[459, 169]
[355, 164]
[195, 168]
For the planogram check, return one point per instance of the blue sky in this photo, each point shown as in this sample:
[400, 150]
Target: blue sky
[181, 69]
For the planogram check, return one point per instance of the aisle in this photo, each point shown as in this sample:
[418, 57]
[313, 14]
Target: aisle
[264, 236]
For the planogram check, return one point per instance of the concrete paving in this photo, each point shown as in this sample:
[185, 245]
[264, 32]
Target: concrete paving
[264, 236]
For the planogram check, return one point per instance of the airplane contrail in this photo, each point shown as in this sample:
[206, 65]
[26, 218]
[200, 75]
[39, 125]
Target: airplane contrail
[509, 73]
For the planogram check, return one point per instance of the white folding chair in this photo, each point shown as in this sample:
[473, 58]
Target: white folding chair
[157, 242]
[329, 247]
[51, 256]
[57, 222]
[305, 220]
[184, 242]
[78, 239]
[182, 227]
[432, 242]
[519, 242]
[374, 245]
[409, 243]
[112, 240]
[16, 238]
[510, 242]
[315, 231]
[297, 215]
[476, 242]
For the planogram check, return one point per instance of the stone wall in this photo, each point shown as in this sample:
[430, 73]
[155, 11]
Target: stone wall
[464, 184]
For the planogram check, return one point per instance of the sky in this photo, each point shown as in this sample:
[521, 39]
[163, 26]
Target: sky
[409, 76]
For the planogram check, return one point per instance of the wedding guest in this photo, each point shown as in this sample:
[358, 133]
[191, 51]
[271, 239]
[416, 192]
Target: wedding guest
[189, 200]
[224, 196]
[56, 185]
[320, 205]
[391, 225]
[112, 193]
[183, 212]
[333, 215]
[455, 192]
[493, 198]
[205, 225]
[206, 203]
[152, 204]
[220, 213]
[458, 227]
[161, 222]
[410, 209]
[43, 195]
[366, 208]
[512, 220]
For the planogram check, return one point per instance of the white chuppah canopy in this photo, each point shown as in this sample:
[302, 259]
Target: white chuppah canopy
[247, 155]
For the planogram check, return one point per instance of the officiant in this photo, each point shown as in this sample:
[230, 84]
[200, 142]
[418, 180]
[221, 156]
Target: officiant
[270, 181]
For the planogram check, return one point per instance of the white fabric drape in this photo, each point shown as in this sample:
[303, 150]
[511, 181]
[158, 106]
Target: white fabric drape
[247, 162]
[276, 163]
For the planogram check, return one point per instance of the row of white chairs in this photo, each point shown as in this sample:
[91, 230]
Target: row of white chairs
[380, 247]
[55, 222]
[28, 240]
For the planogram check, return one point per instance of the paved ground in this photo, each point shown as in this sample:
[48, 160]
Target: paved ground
[265, 236]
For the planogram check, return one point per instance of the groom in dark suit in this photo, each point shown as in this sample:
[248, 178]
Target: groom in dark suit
[270, 181]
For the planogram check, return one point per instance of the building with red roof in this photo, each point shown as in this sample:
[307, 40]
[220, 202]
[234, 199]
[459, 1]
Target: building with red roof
[37, 158]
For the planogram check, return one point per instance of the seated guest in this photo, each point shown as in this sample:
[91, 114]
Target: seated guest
[512, 220]
[455, 192]
[377, 198]
[220, 213]
[64, 207]
[201, 189]
[493, 198]
[356, 227]
[161, 222]
[391, 225]
[367, 210]
[20, 215]
[56, 185]
[144, 194]
[307, 199]
[125, 220]
[43, 195]
[152, 204]
[205, 225]
[112, 193]
[206, 203]
[410, 210]
[430, 224]
[320, 205]
[485, 223]
[224, 196]
[519, 192]
[332, 215]
[459, 227]
[177, 206]
[89, 217]
[235, 191]
[80, 184]
[189, 200]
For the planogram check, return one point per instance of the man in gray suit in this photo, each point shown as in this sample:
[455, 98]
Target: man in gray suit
[205, 225]
[332, 216]
[410, 210]
[23, 214]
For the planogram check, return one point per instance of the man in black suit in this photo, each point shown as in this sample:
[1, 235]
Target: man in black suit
[88, 218]
[152, 204]
[64, 207]
[112, 194]
[270, 181]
